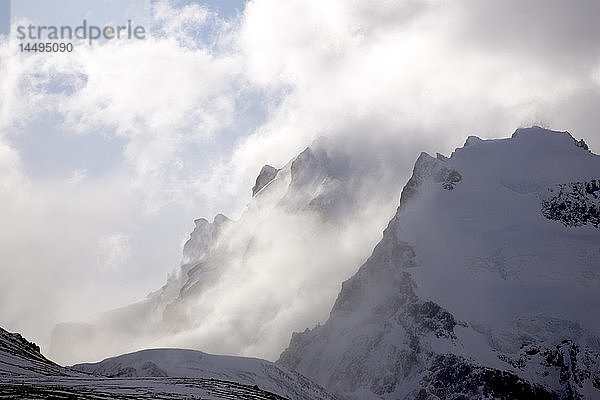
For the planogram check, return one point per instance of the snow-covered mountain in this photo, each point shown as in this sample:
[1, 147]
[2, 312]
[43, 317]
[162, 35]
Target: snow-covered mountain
[152, 374]
[20, 358]
[244, 285]
[195, 364]
[486, 283]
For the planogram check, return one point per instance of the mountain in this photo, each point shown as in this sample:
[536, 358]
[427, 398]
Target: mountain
[484, 285]
[19, 357]
[195, 364]
[170, 374]
[243, 285]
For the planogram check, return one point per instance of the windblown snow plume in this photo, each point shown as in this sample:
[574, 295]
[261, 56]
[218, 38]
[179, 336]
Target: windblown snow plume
[243, 286]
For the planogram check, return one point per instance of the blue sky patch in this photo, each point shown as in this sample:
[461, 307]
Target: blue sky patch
[4, 17]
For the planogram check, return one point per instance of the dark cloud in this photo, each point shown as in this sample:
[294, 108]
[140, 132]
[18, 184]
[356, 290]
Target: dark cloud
[550, 31]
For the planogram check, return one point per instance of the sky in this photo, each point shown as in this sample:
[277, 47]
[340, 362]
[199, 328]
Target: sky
[108, 153]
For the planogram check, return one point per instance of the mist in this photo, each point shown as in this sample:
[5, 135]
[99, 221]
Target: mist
[188, 117]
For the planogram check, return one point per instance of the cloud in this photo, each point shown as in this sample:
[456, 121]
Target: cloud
[11, 177]
[114, 251]
[426, 73]
[106, 237]
[200, 106]
[551, 32]
[76, 177]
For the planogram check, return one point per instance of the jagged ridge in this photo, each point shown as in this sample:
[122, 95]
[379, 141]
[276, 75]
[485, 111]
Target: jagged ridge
[468, 236]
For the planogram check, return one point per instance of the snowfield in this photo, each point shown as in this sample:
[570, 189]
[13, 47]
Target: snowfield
[476, 289]
[195, 364]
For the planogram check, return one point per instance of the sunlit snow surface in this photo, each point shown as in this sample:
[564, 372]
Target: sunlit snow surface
[151, 374]
[486, 252]
[473, 289]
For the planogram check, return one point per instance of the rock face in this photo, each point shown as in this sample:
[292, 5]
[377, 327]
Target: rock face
[20, 357]
[574, 204]
[244, 285]
[266, 175]
[472, 292]
[429, 168]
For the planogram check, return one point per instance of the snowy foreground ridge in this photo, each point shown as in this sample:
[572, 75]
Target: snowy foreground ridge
[485, 285]
[151, 374]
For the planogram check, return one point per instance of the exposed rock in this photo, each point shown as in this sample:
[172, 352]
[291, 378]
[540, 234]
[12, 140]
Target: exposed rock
[574, 204]
[453, 377]
[427, 167]
[472, 140]
[581, 143]
[266, 175]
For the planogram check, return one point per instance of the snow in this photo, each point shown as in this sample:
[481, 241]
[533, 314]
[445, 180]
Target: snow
[494, 241]
[175, 363]
[159, 373]
[139, 388]
[473, 287]
[470, 236]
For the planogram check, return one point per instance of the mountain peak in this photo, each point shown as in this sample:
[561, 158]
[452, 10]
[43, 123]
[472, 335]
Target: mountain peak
[266, 175]
[427, 167]
[219, 219]
[483, 283]
[200, 222]
[535, 130]
[472, 140]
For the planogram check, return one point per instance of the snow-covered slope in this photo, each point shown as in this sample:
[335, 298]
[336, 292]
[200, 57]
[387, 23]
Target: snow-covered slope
[94, 388]
[19, 357]
[152, 374]
[244, 285]
[486, 283]
[195, 364]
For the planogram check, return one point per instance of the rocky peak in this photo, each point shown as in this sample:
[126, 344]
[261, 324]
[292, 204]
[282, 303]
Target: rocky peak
[266, 175]
[581, 143]
[472, 140]
[203, 234]
[422, 320]
[534, 130]
[427, 167]
[308, 165]
[220, 219]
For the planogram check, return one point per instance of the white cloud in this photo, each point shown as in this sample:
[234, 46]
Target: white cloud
[402, 76]
[114, 251]
[11, 177]
[76, 177]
